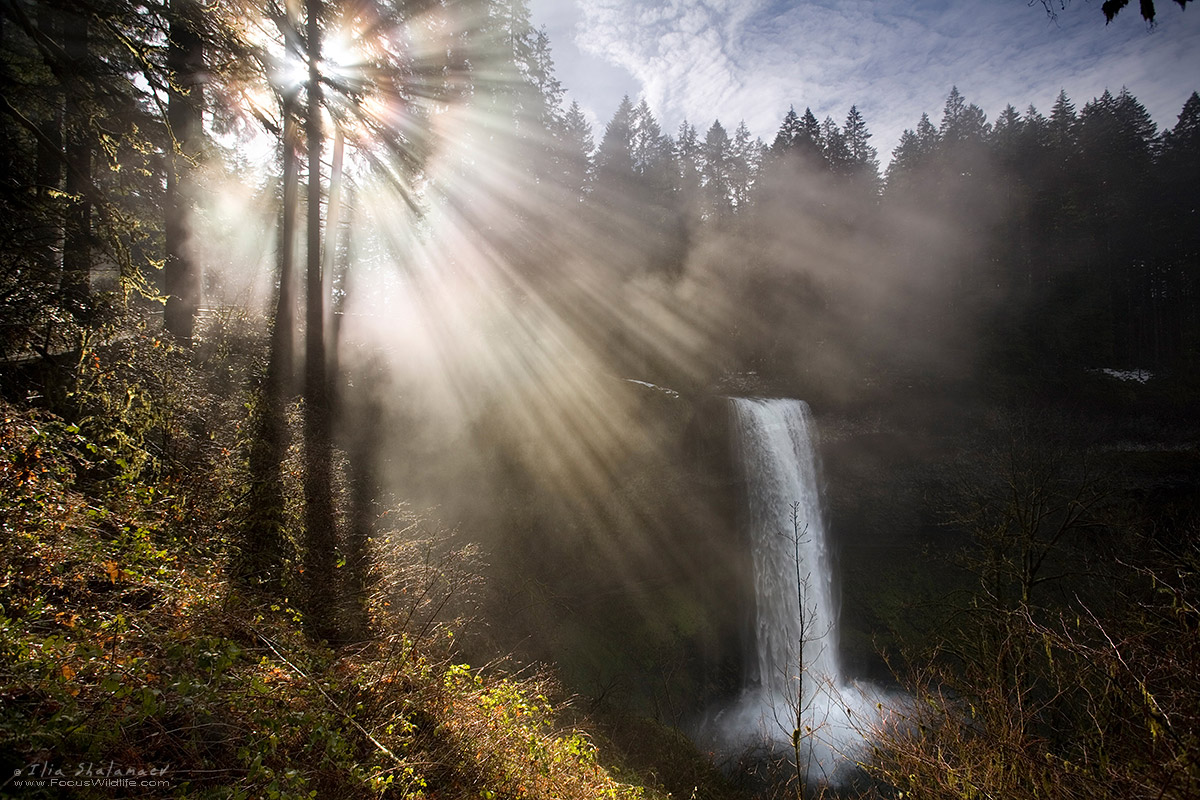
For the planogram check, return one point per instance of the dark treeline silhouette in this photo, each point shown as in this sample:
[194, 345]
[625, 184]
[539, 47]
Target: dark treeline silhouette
[1086, 255]
[1031, 248]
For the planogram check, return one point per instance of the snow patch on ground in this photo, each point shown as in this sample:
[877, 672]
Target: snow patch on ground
[1139, 375]
[662, 389]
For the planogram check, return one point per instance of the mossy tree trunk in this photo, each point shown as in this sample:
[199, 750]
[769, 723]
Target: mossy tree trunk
[185, 108]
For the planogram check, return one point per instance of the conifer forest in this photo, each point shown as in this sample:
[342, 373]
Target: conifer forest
[376, 423]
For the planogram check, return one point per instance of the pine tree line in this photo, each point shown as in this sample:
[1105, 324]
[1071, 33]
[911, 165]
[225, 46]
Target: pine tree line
[1079, 222]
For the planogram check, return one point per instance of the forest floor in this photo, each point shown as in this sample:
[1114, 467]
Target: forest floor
[131, 666]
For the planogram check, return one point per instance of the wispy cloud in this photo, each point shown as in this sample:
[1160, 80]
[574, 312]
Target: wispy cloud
[751, 59]
[681, 53]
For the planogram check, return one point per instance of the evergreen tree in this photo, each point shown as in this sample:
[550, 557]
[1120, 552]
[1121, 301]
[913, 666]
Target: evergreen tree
[640, 212]
[82, 196]
[539, 73]
[809, 143]
[647, 146]
[1118, 127]
[717, 164]
[1177, 238]
[320, 529]
[689, 162]
[837, 151]
[952, 112]
[1007, 129]
[1035, 129]
[1136, 121]
[515, 85]
[1062, 122]
[1184, 138]
[1052, 149]
[576, 152]
[614, 158]
[789, 133]
[974, 125]
[539, 114]
[1117, 144]
[799, 137]
[927, 136]
[906, 157]
[653, 155]
[745, 157]
[961, 123]
[863, 156]
[79, 155]
[914, 151]
[1008, 141]
[49, 154]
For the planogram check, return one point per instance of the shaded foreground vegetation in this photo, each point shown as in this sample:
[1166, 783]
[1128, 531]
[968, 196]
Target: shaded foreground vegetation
[1055, 658]
[1047, 644]
[124, 644]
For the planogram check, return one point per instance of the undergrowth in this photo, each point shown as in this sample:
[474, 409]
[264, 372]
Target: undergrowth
[130, 665]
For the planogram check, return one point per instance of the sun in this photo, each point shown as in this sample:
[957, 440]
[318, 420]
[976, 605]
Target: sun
[342, 56]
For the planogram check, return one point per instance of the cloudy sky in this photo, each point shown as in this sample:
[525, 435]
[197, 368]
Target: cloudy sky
[752, 59]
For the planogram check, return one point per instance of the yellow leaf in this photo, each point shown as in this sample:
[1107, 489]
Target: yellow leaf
[113, 570]
[67, 672]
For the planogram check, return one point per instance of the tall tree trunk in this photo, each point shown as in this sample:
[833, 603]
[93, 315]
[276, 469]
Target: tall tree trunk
[185, 64]
[264, 544]
[283, 335]
[320, 533]
[362, 441]
[341, 267]
[363, 447]
[281, 367]
[333, 215]
[77, 233]
[49, 158]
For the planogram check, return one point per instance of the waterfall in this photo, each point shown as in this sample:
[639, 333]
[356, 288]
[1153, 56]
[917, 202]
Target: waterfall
[794, 684]
[795, 629]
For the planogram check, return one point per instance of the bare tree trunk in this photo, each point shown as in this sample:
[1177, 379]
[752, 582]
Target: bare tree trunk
[77, 233]
[49, 166]
[264, 544]
[341, 267]
[798, 734]
[320, 533]
[280, 368]
[364, 486]
[332, 219]
[185, 65]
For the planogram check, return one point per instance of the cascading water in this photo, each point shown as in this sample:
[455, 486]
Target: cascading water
[796, 624]
[796, 702]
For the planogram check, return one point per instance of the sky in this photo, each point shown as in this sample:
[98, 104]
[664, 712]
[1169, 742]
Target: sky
[751, 60]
